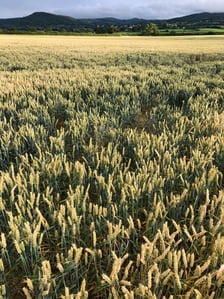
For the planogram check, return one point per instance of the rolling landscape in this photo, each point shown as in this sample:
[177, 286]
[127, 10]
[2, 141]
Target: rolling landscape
[201, 23]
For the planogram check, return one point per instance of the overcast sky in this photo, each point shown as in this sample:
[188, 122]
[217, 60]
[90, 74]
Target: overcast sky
[148, 9]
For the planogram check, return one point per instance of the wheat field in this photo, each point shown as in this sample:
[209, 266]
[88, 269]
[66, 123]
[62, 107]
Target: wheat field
[111, 167]
[107, 44]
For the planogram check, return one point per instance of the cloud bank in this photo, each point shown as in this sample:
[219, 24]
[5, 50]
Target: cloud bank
[148, 9]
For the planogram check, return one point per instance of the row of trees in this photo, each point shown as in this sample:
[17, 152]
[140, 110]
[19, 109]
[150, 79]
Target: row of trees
[149, 29]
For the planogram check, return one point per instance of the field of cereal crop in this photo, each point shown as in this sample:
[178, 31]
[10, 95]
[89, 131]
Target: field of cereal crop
[111, 167]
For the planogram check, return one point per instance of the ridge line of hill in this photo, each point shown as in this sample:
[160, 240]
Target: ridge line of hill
[49, 21]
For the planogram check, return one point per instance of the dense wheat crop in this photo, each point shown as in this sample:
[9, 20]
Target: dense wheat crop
[111, 167]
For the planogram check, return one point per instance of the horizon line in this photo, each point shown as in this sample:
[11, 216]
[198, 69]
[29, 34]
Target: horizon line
[108, 17]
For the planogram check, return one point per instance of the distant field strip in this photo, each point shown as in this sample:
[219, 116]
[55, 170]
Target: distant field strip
[185, 44]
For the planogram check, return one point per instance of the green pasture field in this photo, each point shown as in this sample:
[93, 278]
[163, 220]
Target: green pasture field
[111, 167]
[187, 31]
[214, 30]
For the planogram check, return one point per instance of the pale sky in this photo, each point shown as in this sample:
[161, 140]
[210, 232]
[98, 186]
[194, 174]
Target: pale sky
[148, 9]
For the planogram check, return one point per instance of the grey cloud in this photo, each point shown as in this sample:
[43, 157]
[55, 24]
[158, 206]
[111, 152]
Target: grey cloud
[144, 9]
[149, 9]
[18, 8]
[101, 10]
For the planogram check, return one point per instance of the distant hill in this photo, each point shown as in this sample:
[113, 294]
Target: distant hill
[43, 20]
[204, 19]
[48, 21]
[39, 20]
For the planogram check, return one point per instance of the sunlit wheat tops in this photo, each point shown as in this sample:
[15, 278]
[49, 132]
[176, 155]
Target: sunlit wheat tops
[111, 168]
